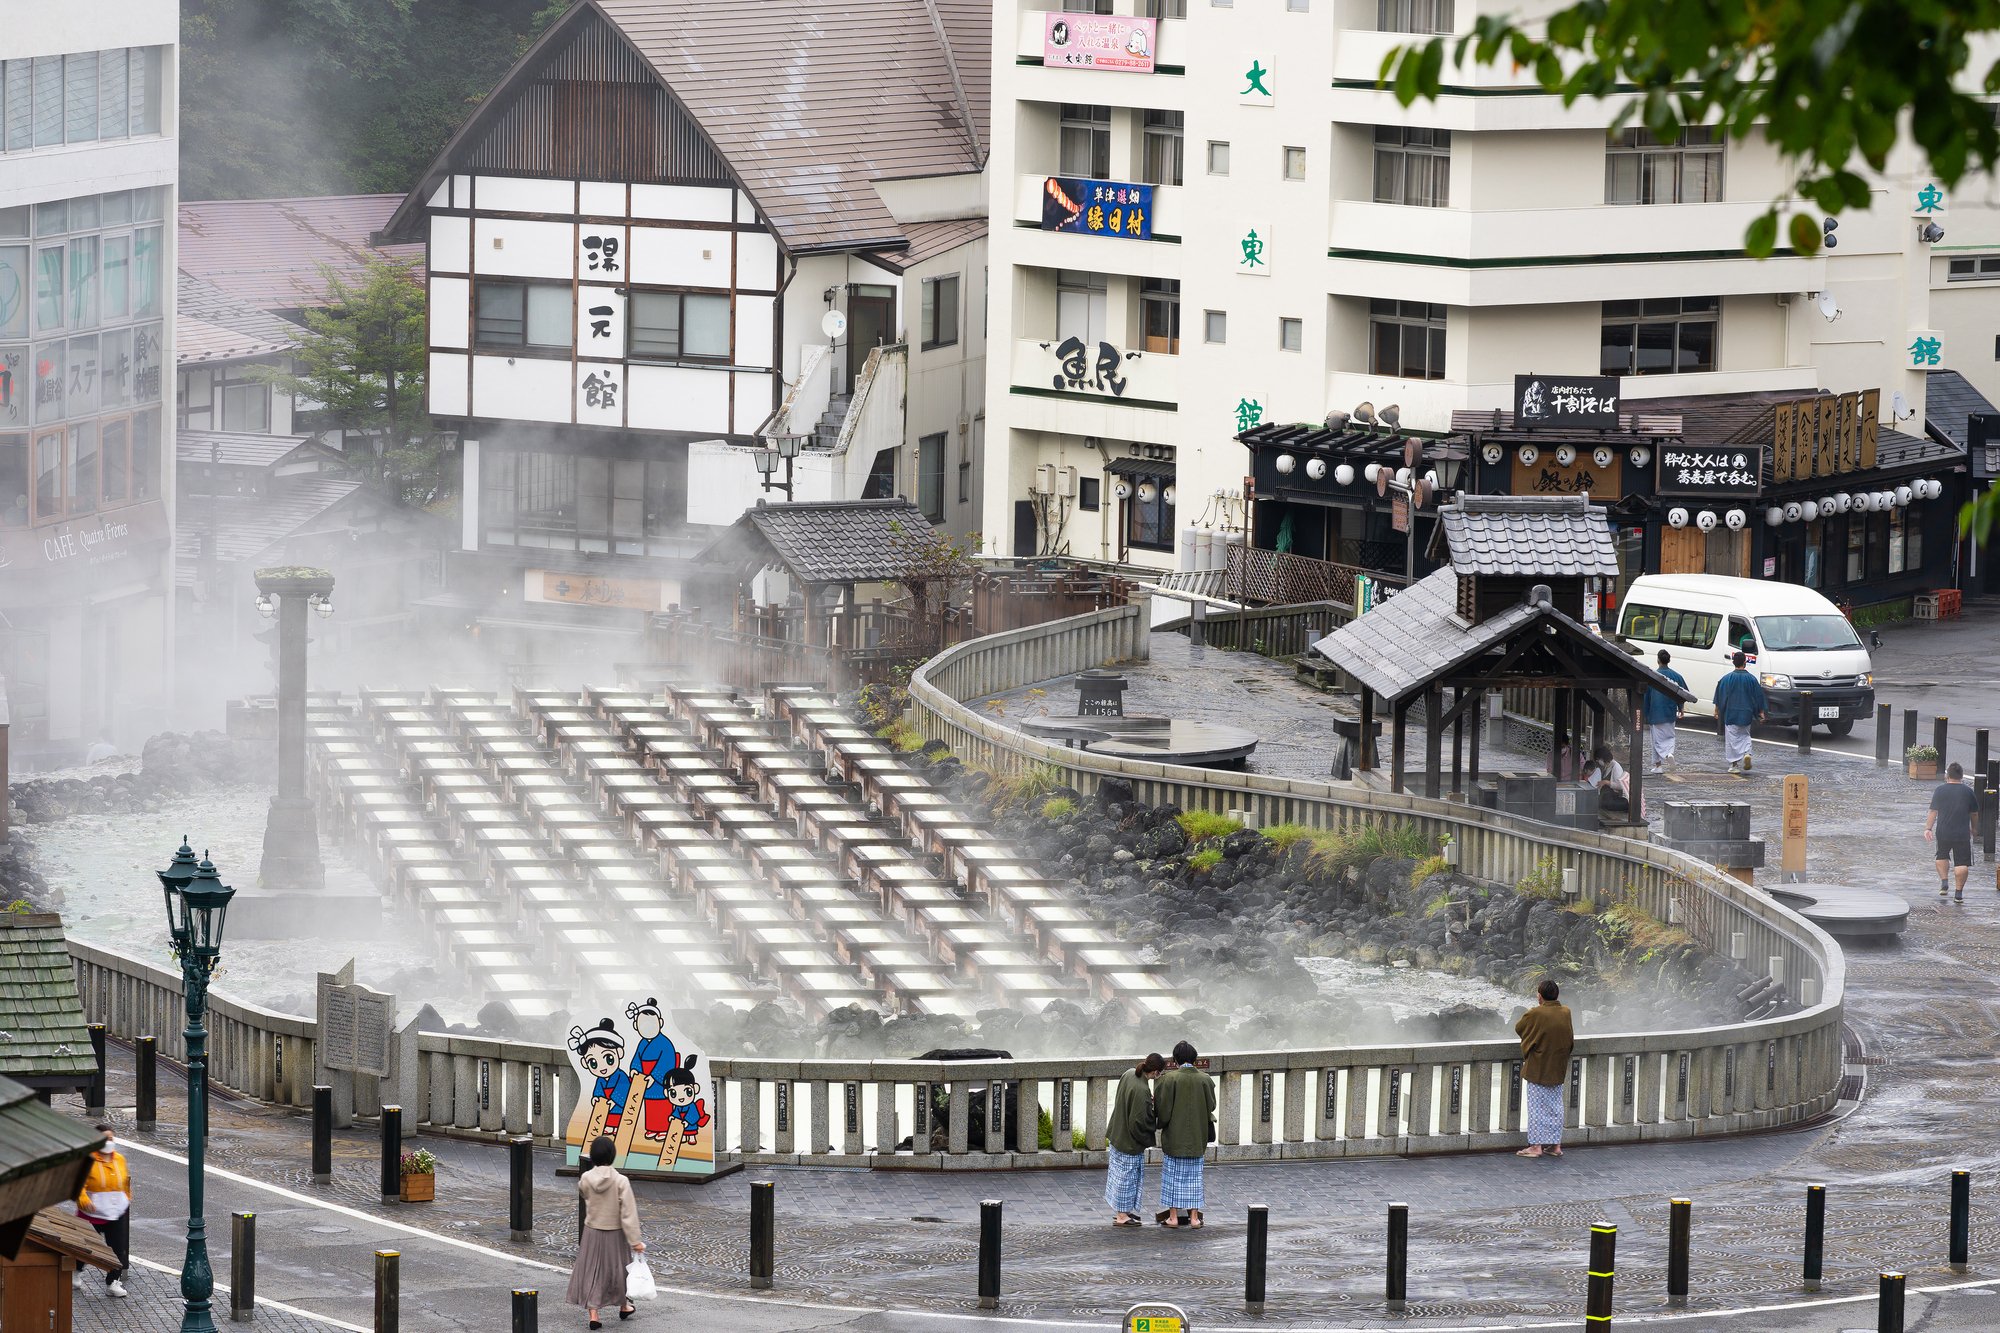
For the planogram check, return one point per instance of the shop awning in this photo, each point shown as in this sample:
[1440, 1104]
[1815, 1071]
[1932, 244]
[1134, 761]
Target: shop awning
[1142, 469]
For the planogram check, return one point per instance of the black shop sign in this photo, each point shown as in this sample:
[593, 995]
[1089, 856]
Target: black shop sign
[1710, 471]
[1575, 402]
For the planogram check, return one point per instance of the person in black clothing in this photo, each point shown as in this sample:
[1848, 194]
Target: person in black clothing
[1949, 824]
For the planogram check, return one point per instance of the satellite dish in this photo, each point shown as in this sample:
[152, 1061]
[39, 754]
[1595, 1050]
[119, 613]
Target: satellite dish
[833, 324]
[1899, 407]
[1828, 307]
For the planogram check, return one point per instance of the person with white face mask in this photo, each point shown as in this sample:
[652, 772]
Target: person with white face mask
[106, 1203]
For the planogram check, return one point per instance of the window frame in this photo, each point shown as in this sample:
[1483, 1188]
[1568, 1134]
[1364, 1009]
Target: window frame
[1286, 156]
[1640, 319]
[1648, 156]
[1404, 316]
[1213, 145]
[934, 334]
[1163, 136]
[1157, 294]
[929, 471]
[1425, 17]
[1980, 268]
[484, 340]
[1401, 146]
[634, 344]
[1129, 519]
[1291, 334]
[1083, 118]
[1210, 327]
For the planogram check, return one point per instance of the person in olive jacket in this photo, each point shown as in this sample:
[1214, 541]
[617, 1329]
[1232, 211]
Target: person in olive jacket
[1184, 1102]
[1130, 1133]
[1547, 1037]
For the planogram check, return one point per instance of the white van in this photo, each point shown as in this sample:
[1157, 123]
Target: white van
[1798, 641]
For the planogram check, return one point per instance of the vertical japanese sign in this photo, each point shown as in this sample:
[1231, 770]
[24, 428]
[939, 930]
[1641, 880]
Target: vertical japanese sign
[600, 394]
[1794, 855]
[600, 322]
[1099, 41]
[1097, 208]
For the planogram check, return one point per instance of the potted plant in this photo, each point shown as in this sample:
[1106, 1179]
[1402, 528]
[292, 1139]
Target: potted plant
[419, 1176]
[1920, 762]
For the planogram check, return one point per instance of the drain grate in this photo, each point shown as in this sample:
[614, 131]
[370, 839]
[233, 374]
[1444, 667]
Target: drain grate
[1850, 1088]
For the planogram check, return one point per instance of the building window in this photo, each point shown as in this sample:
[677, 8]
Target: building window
[1295, 164]
[930, 477]
[84, 97]
[1163, 9]
[573, 502]
[246, 407]
[965, 481]
[1291, 335]
[522, 314]
[1298, 6]
[940, 311]
[1406, 339]
[1085, 145]
[678, 326]
[14, 481]
[1669, 336]
[1412, 166]
[1215, 326]
[1163, 147]
[1160, 314]
[1413, 15]
[1087, 492]
[1642, 169]
[194, 407]
[1149, 523]
[1218, 157]
[880, 483]
[1976, 268]
[1086, 6]
[1080, 306]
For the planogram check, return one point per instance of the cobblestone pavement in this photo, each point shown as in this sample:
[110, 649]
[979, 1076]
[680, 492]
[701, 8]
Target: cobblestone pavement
[1495, 1241]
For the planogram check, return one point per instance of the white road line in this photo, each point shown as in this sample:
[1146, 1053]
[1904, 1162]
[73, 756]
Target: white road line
[223, 1289]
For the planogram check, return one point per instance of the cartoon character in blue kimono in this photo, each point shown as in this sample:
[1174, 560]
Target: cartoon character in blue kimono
[653, 1059]
[684, 1093]
[601, 1052]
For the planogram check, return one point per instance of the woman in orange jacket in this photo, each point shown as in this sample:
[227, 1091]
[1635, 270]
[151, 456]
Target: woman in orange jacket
[106, 1203]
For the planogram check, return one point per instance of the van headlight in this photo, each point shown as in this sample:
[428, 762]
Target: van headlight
[1868, 679]
[1774, 680]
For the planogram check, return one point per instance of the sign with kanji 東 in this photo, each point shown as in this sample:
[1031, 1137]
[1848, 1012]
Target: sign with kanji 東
[1252, 248]
[1930, 199]
[1582, 402]
[1097, 208]
[1710, 471]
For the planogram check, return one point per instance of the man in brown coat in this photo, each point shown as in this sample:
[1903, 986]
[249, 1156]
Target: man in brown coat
[1547, 1037]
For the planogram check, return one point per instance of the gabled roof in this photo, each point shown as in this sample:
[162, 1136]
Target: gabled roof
[825, 541]
[1558, 536]
[240, 527]
[42, 1037]
[1417, 636]
[266, 253]
[808, 104]
[244, 449]
[929, 240]
[44, 1156]
[1949, 402]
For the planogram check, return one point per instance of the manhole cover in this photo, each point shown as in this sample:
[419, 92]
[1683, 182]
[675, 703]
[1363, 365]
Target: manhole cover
[328, 1231]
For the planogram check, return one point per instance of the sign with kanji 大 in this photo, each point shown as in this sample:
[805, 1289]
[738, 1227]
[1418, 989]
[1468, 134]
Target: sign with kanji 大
[1251, 248]
[1255, 80]
[1926, 349]
[1099, 41]
[1710, 471]
[1585, 402]
[1097, 208]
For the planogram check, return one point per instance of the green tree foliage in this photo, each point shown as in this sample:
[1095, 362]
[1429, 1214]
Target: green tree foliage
[1827, 81]
[301, 97]
[361, 359]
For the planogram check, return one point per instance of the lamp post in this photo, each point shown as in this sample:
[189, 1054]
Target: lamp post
[291, 833]
[785, 447]
[197, 905]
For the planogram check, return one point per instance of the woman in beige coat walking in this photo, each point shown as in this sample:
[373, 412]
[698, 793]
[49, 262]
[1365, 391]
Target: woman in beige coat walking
[610, 1235]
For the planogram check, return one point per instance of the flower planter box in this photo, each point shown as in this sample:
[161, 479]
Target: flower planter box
[419, 1189]
[1921, 770]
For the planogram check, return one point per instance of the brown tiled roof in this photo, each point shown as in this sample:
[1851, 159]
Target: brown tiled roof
[930, 239]
[810, 103]
[235, 448]
[266, 253]
[212, 325]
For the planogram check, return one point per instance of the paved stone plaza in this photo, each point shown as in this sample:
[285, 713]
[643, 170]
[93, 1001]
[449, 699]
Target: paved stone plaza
[1495, 1241]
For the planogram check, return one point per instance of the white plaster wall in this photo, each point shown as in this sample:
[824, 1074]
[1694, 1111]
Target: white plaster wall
[521, 388]
[754, 316]
[679, 398]
[684, 203]
[451, 244]
[451, 312]
[519, 194]
[512, 247]
[757, 265]
[447, 384]
[680, 257]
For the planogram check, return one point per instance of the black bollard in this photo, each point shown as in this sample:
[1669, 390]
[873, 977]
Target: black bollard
[1990, 816]
[1961, 1221]
[1397, 1290]
[1940, 734]
[1815, 1234]
[392, 1152]
[526, 1320]
[322, 1132]
[93, 1099]
[147, 1049]
[1254, 1252]
[989, 1254]
[763, 1233]
[520, 1187]
[1979, 748]
[1806, 721]
[1597, 1301]
[1889, 1304]
[242, 1267]
[1680, 1229]
[1883, 716]
[1909, 729]
[388, 1292]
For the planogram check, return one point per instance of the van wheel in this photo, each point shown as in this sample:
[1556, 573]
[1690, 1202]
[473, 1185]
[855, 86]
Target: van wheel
[1841, 727]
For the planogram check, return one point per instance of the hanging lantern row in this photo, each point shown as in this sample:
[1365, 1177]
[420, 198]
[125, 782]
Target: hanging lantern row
[1856, 502]
[1147, 492]
[1566, 454]
[1344, 472]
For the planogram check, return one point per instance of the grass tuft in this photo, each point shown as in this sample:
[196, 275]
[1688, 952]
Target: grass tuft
[1201, 825]
[1058, 807]
[1205, 860]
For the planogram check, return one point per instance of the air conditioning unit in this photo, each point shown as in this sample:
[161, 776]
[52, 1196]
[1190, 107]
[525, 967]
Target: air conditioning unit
[1045, 480]
[1066, 482]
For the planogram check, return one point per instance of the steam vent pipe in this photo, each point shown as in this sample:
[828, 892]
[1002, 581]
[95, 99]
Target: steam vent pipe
[291, 834]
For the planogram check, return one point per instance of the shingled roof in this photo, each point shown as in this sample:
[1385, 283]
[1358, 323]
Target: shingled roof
[826, 541]
[1558, 536]
[44, 1157]
[43, 1041]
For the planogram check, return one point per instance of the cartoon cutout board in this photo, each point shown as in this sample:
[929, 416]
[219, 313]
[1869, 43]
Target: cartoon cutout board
[640, 1087]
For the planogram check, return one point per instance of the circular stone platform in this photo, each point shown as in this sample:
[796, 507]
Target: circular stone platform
[1845, 912]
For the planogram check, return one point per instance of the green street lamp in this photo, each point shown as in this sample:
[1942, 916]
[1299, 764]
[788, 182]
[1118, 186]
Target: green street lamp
[197, 906]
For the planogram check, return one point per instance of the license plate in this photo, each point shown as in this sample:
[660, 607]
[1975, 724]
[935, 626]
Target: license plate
[1832, 711]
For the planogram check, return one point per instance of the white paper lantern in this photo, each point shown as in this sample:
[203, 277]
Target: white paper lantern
[1529, 455]
[1858, 502]
[1903, 494]
[1640, 455]
[1370, 472]
[1123, 490]
[1315, 468]
[1677, 517]
[1933, 488]
[1286, 463]
[1705, 520]
[1794, 511]
[1812, 511]
[1491, 452]
[1148, 492]
[1168, 494]
[1842, 503]
[1736, 518]
[1774, 516]
[1403, 476]
[1566, 455]
[1602, 456]
[1881, 500]
[1344, 474]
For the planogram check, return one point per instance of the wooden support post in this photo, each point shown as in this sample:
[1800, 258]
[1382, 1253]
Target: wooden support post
[1558, 732]
[1400, 713]
[1458, 741]
[1434, 742]
[1478, 730]
[1365, 758]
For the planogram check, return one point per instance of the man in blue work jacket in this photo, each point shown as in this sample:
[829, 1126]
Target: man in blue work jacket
[1739, 703]
[1663, 715]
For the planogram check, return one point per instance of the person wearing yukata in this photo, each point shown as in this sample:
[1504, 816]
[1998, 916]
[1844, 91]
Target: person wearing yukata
[653, 1059]
[601, 1052]
[688, 1114]
[1739, 704]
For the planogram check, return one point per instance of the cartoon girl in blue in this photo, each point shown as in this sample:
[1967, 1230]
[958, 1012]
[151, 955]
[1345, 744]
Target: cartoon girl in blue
[652, 1060]
[600, 1051]
[684, 1093]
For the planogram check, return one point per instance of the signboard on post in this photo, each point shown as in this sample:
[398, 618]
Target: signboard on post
[1099, 41]
[1574, 402]
[1156, 1317]
[1793, 864]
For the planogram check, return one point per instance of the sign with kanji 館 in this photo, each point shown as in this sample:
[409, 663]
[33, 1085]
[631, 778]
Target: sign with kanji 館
[1926, 349]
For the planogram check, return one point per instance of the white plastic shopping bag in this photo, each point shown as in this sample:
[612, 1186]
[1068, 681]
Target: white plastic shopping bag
[639, 1285]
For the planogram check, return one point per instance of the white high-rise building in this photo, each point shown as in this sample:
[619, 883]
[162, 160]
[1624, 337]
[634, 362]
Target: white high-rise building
[88, 170]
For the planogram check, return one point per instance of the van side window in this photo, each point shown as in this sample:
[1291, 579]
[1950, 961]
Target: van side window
[1739, 630]
[1673, 626]
[1641, 622]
